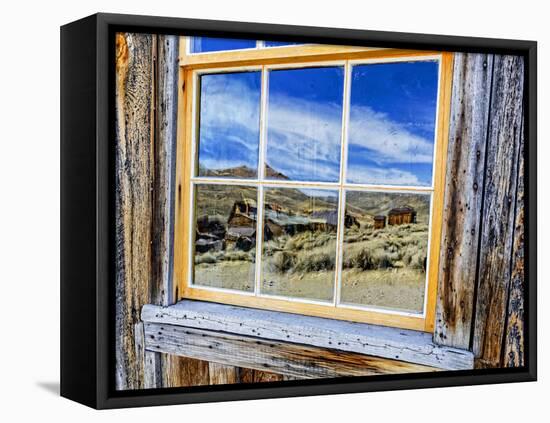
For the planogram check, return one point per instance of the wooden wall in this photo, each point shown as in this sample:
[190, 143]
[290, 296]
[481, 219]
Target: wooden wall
[480, 293]
[480, 304]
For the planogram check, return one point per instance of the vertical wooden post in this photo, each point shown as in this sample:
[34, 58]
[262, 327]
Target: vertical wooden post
[134, 134]
[503, 146]
[514, 342]
[463, 198]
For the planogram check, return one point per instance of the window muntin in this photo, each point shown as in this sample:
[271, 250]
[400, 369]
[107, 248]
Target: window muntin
[344, 310]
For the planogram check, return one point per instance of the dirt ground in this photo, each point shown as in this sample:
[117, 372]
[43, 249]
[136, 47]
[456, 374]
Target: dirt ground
[396, 289]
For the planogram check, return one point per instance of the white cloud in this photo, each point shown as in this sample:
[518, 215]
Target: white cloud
[381, 176]
[301, 129]
[389, 141]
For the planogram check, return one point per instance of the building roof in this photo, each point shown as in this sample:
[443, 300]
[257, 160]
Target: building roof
[329, 217]
[399, 210]
[237, 231]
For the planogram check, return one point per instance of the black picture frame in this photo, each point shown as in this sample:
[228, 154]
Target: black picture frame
[87, 210]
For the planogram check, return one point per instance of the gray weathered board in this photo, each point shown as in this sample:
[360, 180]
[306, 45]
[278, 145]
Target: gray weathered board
[285, 358]
[396, 344]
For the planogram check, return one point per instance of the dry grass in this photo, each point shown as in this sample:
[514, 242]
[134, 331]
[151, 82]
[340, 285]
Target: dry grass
[383, 268]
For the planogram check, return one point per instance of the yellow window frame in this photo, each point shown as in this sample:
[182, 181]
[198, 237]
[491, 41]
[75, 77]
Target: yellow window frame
[306, 55]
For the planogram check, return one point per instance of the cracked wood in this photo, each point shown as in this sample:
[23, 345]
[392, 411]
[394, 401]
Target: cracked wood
[396, 344]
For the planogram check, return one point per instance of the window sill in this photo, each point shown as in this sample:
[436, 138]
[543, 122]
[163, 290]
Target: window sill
[378, 341]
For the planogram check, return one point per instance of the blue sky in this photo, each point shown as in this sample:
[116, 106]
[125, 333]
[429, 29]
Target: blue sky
[208, 44]
[392, 123]
[294, 145]
[229, 120]
[390, 137]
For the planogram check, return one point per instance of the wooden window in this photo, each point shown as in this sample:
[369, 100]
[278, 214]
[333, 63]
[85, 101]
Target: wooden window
[310, 180]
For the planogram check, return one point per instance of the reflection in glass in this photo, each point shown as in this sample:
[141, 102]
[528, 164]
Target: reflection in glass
[229, 124]
[225, 236]
[385, 251]
[299, 247]
[207, 44]
[392, 123]
[280, 43]
[304, 124]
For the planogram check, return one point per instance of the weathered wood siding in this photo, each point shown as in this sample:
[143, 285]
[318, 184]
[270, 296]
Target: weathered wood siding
[134, 217]
[285, 358]
[146, 111]
[481, 283]
[480, 293]
[463, 198]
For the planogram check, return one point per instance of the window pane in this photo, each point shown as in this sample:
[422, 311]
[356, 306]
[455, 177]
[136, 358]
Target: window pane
[229, 129]
[280, 43]
[207, 44]
[299, 243]
[225, 236]
[304, 124]
[385, 250]
[392, 123]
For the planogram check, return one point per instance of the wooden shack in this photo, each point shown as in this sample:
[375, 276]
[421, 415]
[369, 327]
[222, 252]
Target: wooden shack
[401, 215]
[379, 221]
[479, 317]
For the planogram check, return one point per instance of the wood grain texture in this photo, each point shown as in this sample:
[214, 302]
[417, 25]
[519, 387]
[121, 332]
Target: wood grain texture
[257, 376]
[514, 350]
[282, 358]
[166, 107]
[393, 343]
[166, 97]
[504, 136]
[221, 374]
[463, 198]
[134, 134]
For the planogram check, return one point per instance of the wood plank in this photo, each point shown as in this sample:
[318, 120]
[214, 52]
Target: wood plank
[399, 344]
[165, 113]
[184, 371]
[221, 374]
[514, 348]
[134, 133]
[463, 198]
[166, 108]
[265, 355]
[298, 54]
[258, 376]
[151, 360]
[503, 142]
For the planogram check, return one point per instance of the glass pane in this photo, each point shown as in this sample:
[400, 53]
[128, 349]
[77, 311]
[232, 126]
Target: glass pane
[392, 123]
[280, 43]
[225, 236]
[385, 250]
[207, 44]
[299, 243]
[304, 124]
[229, 128]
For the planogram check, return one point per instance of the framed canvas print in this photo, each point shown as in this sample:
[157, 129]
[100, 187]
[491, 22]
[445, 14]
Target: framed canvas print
[254, 211]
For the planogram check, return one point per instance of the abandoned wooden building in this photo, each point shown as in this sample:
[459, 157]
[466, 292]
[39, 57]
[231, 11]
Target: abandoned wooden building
[379, 221]
[401, 215]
